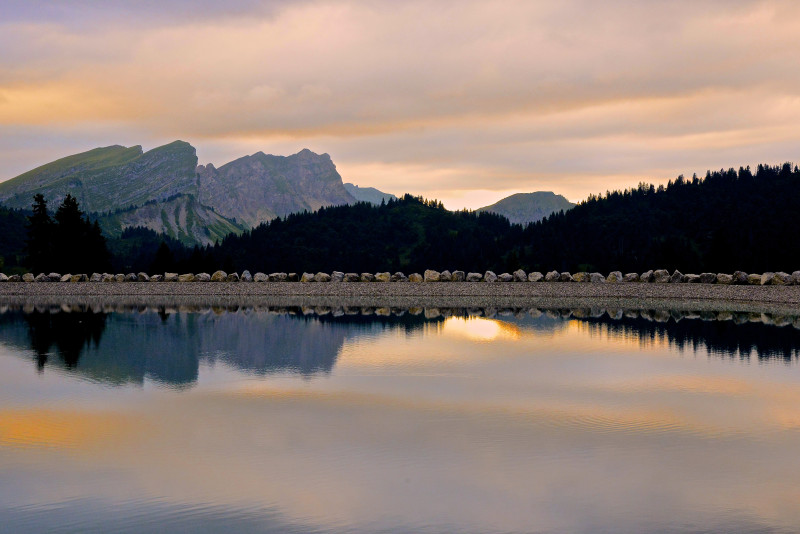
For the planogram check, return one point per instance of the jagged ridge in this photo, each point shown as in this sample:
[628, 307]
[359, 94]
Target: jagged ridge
[261, 187]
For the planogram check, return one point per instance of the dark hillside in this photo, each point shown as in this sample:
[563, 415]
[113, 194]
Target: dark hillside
[727, 221]
[13, 232]
[408, 234]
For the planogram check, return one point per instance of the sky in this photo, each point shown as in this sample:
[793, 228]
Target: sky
[462, 101]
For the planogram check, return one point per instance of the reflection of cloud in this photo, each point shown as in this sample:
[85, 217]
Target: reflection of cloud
[509, 95]
[687, 384]
[323, 455]
[70, 430]
[548, 429]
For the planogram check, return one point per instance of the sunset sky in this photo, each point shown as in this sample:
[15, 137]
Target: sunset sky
[463, 101]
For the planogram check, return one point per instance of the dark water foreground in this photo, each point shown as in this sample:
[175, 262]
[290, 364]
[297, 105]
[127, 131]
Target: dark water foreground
[182, 416]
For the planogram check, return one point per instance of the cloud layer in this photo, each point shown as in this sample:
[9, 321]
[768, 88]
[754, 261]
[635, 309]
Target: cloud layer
[466, 101]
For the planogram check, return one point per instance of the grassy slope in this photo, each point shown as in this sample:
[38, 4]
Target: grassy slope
[57, 175]
[107, 178]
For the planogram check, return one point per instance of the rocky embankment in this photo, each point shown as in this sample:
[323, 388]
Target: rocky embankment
[660, 276]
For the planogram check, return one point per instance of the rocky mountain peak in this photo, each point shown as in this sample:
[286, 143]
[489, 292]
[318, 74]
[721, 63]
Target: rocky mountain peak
[205, 168]
[257, 188]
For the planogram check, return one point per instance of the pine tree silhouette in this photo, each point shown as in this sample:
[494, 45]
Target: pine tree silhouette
[70, 244]
[39, 244]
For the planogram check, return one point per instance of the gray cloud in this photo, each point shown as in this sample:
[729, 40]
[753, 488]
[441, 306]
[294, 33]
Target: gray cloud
[86, 13]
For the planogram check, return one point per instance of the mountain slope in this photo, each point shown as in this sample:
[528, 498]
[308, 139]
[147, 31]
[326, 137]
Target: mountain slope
[108, 178]
[181, 217]
[524, 208]
[258, 188]
[368, 194]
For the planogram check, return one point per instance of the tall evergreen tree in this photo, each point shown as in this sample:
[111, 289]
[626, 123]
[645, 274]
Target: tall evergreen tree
[164, 260]
[39, 244]
[79, 244]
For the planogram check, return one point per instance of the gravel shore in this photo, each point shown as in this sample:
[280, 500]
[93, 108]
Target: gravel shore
[774, 299]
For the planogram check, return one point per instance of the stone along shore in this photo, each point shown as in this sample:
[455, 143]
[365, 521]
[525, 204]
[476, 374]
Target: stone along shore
[766, 292]
[659, 276]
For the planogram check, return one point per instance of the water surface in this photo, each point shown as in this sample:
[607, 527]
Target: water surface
[154, 419]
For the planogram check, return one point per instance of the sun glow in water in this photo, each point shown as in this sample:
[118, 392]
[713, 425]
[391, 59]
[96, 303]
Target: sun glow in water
[479, 329]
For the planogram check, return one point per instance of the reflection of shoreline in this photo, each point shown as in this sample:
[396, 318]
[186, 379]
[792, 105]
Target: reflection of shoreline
[342, 313]
[124, 344]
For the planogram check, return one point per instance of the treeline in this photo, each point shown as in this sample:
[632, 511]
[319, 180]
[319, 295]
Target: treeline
[13, 233]
[729, 220]
[140, 249]
[68, 242]
[408, 234]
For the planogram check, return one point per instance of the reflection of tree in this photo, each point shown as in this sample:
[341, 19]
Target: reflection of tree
[69, 333]
[722, 338]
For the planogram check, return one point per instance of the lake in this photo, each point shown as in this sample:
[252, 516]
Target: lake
[345, 419]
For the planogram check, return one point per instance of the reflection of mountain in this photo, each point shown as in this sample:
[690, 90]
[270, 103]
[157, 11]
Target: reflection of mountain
[121, 348]
[264, 343]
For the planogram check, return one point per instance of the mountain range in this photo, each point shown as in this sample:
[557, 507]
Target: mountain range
[165, 190]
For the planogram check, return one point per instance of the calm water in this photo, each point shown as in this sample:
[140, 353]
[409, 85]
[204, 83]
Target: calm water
[388, 420]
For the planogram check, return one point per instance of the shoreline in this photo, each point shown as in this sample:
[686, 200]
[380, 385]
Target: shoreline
[765, 299]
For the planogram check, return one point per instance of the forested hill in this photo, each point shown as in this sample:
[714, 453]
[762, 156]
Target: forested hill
[727, 221]
[408, 234]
